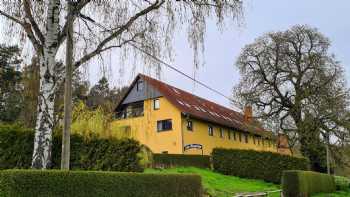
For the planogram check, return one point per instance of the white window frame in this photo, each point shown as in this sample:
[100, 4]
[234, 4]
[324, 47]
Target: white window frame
[156, 104]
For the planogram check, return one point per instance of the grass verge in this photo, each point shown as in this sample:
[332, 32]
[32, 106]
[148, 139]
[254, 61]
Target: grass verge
[335, 194]
[218, 185]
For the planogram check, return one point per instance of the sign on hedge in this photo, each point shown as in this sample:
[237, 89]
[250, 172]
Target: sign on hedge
[193, 146]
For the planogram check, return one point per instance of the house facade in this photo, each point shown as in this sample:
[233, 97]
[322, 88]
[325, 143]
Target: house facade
[170, 120]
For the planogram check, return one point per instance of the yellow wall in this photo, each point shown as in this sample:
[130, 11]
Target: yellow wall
[144, 128]
[200, 135]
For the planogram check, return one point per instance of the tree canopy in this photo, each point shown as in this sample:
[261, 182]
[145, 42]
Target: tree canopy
[10, 88]
[290, 76]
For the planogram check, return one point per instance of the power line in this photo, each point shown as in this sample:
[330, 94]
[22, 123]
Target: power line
[160, 60]
[180, 72]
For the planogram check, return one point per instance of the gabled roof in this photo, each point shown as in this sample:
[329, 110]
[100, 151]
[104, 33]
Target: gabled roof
[203, 109]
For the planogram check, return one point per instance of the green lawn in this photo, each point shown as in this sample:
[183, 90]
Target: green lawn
[336, 194]
[219, 185]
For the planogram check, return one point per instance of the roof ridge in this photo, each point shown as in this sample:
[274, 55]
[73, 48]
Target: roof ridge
[239, 113]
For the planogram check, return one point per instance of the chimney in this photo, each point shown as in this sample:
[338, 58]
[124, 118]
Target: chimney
[248, 114]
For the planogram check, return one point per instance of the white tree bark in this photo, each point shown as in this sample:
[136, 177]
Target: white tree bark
[45, 116]
[138, 23]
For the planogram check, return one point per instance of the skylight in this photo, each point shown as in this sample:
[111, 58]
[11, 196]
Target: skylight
[176, 91]
[181, 103]
[212, 113]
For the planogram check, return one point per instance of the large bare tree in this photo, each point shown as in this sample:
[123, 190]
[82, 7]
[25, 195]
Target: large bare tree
[292, 79]
[101, 26]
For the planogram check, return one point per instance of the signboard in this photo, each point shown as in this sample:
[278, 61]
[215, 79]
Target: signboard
[193, 146]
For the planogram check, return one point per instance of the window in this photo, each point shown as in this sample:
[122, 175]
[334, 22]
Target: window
[229, 134]
[240, 137]
[164, 125]
[234, 136]
[130, 110]
[156, 104]
[222, 132]
[258, 140]
[189, 125]
[246, 138]
[210, 131]
[254, 139]
[262, 140]
[139, 86]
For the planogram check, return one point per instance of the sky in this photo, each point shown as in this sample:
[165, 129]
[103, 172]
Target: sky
[332, 18]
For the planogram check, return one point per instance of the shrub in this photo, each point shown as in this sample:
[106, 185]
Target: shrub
[88, 153]
[146, 156]
[28, 183]
[342, 183]
[172, 160]
[267, 166]
[16, 147]
[296, 183]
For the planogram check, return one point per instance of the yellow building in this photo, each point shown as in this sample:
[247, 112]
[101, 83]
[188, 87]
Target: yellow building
[170, 120]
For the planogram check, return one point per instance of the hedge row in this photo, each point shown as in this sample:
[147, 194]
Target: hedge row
[172, 160]
[342, 183]
[267, 166]
[296, 183]
[31, 183]
[91, 153]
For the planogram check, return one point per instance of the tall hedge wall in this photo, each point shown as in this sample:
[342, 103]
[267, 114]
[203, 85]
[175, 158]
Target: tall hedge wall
[87, 153]
[172, 160]
[267, 166]
[297, 183]
[31, 183]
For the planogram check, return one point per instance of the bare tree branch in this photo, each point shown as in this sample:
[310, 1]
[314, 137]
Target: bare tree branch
[27, 9]
[113, 35]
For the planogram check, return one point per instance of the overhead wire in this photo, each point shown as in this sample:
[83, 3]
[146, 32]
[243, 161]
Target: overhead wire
[160, 60]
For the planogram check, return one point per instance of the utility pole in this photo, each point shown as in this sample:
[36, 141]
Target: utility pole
[65, 156]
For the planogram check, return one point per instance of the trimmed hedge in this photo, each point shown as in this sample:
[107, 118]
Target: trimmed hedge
[342, 183]
[267, 166]
[297, 183]
[173, 160]
[36, 183]
[87, 153]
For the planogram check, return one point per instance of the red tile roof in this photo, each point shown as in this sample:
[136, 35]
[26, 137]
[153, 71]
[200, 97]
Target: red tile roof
[203, 109]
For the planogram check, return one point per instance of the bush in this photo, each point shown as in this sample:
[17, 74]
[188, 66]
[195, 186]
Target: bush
[267, 166]
[28, 183]
[16, 147]
[87, 153]
[173, 160]
[342, 183]
[296, 183]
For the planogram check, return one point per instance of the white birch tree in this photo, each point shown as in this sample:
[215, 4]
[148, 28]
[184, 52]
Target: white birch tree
[102, 26]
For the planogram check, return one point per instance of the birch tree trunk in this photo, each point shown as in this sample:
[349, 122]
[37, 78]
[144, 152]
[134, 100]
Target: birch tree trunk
[45, 116]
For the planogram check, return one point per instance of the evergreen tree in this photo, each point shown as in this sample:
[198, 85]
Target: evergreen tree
[10, 88]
